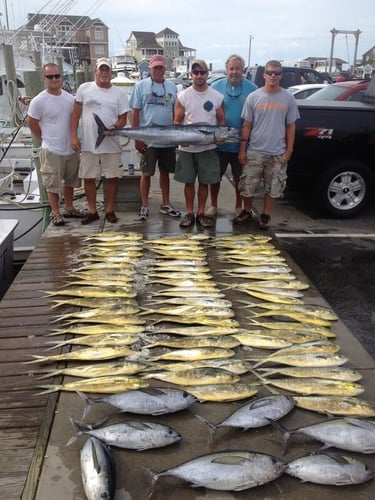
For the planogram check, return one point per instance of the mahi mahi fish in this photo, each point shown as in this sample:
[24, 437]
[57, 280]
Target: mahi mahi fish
[172, 135]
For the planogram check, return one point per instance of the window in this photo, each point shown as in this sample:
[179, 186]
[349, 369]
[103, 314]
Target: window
[99, 34]
[99, 50]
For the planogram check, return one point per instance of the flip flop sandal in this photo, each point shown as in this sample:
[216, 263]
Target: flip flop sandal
[187, 220]
[169, 210]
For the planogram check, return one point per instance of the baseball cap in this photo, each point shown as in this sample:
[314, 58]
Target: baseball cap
[103, 62]
[158, 60]
[199, 62]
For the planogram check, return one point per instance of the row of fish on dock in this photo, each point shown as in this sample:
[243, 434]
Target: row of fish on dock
[132, 293]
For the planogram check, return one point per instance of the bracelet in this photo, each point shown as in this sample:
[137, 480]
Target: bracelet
[244, 140]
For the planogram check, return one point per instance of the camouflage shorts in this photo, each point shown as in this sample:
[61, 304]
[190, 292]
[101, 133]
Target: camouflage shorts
[271, 170]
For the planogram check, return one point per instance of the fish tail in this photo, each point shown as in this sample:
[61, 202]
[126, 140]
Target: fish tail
[213, 427]
[285, 433]
[154, 476]
[263, 382]
[102, 129]
[49, 388]
[36, 360]
[88, 402]
[48, 374]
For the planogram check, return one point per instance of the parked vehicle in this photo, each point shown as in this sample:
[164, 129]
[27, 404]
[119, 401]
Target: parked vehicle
[305, 90]
[334, 155]
[352, 90]
[291, 76]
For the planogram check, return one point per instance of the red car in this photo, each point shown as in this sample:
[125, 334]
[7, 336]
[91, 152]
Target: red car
[352, 90]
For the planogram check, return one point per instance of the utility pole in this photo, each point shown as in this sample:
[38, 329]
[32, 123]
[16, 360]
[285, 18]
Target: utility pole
[335, 32]
[249, 56]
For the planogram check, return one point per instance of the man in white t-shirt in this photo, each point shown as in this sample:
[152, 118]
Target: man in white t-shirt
[110, 103]
[48, 118]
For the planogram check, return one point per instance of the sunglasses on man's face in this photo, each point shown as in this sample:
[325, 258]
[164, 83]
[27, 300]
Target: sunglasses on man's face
[50, 77]
[199, 72]
[272, 72]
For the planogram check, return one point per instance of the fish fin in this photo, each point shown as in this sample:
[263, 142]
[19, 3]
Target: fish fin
[102, 129]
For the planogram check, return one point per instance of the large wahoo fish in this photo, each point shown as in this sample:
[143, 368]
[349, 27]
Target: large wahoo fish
[172, 135]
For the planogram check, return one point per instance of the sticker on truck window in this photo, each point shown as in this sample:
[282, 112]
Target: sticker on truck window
[318, 133]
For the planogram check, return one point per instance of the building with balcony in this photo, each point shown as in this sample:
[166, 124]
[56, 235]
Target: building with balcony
[142, 45]
[78, 39]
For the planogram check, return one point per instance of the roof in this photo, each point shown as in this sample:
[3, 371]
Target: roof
[80, 22]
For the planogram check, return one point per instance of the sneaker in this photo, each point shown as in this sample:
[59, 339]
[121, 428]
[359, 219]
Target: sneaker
[264, 221]
[243, 217]
[57, 220]
[144, 213]
[211, 212]
[169, 210]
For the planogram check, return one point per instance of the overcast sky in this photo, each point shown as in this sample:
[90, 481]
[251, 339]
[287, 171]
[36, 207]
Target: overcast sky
[288, 30]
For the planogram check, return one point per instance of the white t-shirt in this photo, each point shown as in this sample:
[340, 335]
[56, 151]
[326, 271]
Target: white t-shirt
[108, 104]
[54, 114]
[200, 107]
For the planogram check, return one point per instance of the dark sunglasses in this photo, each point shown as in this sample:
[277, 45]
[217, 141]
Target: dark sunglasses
[50, 77]
[199, 72]
[270, 73]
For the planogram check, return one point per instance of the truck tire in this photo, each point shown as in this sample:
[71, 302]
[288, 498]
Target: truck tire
[344, 188]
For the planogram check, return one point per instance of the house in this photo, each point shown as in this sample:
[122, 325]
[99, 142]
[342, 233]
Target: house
[323, 64]
[78, 39]
[142, 45]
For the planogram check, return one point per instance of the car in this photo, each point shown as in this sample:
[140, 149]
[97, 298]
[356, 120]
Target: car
[291, 76]
[334, 153]
[352, 90]
[213, 77]
[305, 90]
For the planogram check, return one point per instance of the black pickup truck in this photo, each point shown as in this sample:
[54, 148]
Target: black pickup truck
[334, 154]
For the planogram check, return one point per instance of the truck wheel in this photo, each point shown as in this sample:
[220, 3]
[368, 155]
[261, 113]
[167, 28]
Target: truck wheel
[344, 188]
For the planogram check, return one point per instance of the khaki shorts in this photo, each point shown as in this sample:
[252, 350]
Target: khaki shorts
[94, 166]
[164, 157]
[262, 167]
[55, 170]
[204, 165]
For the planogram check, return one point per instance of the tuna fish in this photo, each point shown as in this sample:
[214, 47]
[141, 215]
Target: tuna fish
[228, 470]
[352, 434]
[329, 468]
[172, 135]
[133, 435]
[97, 470]
[155, 401]
[259, 412]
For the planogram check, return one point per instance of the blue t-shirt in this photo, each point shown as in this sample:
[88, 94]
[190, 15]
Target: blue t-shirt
[156, 102]
[234, 98]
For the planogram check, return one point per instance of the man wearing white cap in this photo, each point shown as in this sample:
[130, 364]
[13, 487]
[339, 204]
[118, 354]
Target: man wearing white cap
[110, 103]
[152, 102]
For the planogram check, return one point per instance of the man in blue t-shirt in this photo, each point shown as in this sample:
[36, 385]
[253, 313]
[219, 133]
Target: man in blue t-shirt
[152, 102]
[235, 89]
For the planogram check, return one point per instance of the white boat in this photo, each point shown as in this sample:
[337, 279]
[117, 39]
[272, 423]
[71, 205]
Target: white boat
[20, 200]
